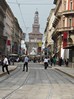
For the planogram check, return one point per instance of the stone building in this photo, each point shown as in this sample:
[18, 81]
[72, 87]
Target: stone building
[10, 31]
[48, 33]
[35, 37]
[64, 28]
[3, 38]
[16, 38]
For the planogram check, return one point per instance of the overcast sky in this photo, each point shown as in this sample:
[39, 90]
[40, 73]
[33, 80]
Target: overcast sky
[25, 10]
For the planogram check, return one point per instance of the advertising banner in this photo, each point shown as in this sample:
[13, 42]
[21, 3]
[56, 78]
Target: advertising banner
[65, 35]
[39, 44]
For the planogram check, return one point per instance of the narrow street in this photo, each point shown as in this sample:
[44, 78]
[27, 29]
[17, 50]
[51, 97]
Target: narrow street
[37, 83]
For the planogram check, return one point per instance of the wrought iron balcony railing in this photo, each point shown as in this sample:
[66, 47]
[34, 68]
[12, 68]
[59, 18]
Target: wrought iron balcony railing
[68, 12]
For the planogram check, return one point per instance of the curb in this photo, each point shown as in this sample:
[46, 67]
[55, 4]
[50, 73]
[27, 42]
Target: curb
[4, 73]
[65, 72]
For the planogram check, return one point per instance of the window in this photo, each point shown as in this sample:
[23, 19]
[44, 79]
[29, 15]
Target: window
[71, 3]
[70, 22]
[1, 18]
[63, 22]
[64, 5]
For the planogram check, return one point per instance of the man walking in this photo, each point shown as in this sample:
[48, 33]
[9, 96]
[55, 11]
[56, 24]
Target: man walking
[45, 62]
[26, 59]
[5, 64]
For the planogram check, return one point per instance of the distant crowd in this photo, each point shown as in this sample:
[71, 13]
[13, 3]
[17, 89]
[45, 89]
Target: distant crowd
[55, 61]
[52, 61]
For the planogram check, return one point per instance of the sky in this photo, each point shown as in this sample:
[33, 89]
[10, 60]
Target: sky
[24, 11]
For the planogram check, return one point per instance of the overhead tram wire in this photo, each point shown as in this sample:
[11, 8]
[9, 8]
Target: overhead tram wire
[30, 3]
[26, 4]
[21, 14]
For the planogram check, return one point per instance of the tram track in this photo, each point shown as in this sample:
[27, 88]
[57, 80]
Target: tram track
[36, 75]
[50, 91]
[24, 82]
[63, 75]
[66, 76]
[13, 73]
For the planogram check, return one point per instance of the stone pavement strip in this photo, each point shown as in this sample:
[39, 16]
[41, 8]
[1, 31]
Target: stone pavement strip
[10, 67]
[67, 70]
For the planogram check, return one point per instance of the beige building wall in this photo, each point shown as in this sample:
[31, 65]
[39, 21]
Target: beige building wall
[8, 30]
[50, 28]
[13, 32]
[62, 24]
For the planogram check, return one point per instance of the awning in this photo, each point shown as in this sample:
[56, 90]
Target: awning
[69, 47]
[13, 54]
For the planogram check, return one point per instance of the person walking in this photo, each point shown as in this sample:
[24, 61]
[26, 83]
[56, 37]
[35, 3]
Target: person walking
[51, 60]
[60, 61]
[5, 64]
[66, 62]
[54, 60]
[45, 62]
[26, 60]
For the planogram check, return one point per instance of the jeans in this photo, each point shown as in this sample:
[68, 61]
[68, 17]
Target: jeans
[5, 66]
[25, 66]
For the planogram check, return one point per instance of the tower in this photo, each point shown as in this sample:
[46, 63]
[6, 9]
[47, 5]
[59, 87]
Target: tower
[35, 36]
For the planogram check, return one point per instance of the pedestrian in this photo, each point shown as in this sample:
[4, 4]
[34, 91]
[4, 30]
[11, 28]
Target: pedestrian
[17, 60]
[60, 61]
[45, 62]
[26, 60]
[54, 60]
[51, 60]
[66, 62]
[0, 60]
[5, 64]
[12, 60]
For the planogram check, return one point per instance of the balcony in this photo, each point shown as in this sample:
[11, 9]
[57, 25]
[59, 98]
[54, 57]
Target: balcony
[70, 47]
[59, 31]
[64, 29]
[68, 12]
[56, 20]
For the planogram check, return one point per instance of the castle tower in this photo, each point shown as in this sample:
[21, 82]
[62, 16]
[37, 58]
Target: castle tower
[35, 36]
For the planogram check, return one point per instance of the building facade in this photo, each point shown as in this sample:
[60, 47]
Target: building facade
[48, 33]
[10, 31]
[16, 38]
[64, 28]
[3, 38]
